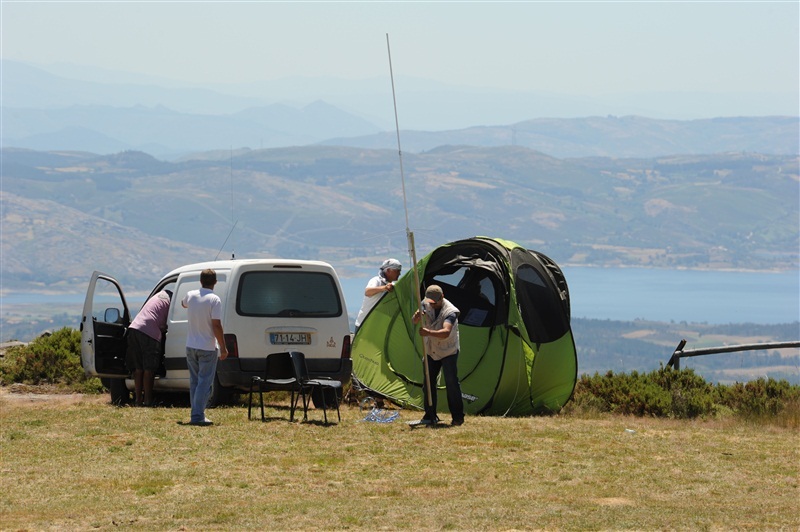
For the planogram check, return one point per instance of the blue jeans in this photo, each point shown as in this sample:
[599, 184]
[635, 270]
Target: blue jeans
[449, 365]
[202, 369]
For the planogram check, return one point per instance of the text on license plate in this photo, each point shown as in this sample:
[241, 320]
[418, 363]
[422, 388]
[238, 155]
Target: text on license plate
[289, 338]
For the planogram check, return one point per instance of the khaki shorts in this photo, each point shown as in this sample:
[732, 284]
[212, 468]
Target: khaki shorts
[143, 352]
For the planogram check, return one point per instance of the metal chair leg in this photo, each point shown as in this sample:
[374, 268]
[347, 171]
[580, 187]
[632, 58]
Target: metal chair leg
[250, 400]
[261, 400]
[324, 405]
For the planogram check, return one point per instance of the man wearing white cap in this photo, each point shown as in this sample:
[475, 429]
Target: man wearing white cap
[442, 346]
[377, 286]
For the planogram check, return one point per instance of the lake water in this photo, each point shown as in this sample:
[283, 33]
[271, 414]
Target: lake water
[623, 294]
[684, 295]
[668, 295]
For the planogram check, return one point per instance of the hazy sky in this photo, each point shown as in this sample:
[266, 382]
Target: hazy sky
[566, 47]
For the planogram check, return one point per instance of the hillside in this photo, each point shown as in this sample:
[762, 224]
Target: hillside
[66, 213]
[48, 247]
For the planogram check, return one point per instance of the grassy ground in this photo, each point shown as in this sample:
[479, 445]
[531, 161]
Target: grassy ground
[78, 463]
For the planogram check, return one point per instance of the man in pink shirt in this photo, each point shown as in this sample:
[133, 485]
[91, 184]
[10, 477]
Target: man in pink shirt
[143, 355]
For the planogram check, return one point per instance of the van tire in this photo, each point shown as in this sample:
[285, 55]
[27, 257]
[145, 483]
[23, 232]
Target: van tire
[118, 391]
[220, 395]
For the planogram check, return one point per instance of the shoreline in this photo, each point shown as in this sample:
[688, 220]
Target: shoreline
[141, 293]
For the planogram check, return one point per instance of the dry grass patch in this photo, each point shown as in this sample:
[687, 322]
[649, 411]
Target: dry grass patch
[86, 464]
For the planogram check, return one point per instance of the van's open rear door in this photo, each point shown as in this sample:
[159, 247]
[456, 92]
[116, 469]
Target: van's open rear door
[103, 324]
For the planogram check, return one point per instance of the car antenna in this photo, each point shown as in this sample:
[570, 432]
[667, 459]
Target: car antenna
[233, 255]
[226, 241]
[409, 234]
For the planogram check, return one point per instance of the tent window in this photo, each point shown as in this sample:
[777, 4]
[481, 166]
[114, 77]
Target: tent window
[541, 309]
[472, 291]
[486, 291]
[451, 279]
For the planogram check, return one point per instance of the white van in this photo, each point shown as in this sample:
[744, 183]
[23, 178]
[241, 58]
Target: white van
[269, 306]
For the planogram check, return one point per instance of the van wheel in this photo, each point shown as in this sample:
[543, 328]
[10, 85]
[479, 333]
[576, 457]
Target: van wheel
[220, 395]
[119, 392]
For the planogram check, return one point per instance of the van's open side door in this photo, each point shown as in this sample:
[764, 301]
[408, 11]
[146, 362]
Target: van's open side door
[103, 324]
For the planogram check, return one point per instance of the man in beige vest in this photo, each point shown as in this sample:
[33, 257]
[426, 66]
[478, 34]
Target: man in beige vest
[440, 333]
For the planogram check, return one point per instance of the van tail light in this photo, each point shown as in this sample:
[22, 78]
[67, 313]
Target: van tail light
[232, 346]
[346, 346]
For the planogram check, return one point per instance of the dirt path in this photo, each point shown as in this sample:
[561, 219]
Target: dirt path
[25, 395]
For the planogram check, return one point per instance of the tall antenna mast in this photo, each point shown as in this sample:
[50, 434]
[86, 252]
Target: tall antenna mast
[412, 253]
[233, 254]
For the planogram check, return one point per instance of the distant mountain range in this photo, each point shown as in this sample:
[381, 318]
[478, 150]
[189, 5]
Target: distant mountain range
[167, 133]
[628, 136]
[65, 214]
[107, 112]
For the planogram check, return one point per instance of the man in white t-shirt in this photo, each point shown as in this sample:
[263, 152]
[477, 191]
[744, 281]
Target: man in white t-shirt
[377, 286]
[205, 342]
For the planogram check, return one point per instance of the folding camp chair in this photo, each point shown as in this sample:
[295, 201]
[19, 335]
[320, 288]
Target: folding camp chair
[309, 384]
[279, 374]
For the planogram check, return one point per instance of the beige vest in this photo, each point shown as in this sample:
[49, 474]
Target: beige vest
[439, 348]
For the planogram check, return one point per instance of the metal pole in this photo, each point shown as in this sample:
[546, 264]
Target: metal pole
[412, 253]
[679, 353]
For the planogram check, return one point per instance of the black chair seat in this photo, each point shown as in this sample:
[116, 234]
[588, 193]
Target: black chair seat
[308, 384]
[279, 374]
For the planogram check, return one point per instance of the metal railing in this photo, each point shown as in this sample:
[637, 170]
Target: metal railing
[680, 352]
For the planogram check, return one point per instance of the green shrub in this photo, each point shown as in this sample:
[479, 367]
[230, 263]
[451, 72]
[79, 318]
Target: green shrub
[759, 398]
[683, 394]
[691, 396]
[662, 393]
[49, 359]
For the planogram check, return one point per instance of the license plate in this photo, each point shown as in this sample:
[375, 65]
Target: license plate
[289, 338]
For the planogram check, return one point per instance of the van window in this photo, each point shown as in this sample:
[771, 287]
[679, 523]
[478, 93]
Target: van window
[188, 283]
[169, 285]
[288, 294]
[107, 296]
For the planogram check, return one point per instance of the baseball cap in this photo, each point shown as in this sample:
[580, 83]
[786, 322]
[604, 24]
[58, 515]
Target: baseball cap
[434, 293]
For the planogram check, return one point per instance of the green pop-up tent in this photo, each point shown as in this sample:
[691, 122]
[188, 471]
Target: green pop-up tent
[517, 351]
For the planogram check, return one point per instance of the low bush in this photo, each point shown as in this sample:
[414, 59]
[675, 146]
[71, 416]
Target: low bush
[682, 394]
[55, 359]
[49, 359]
[763, 399]
[662, 393]
[758, 398]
